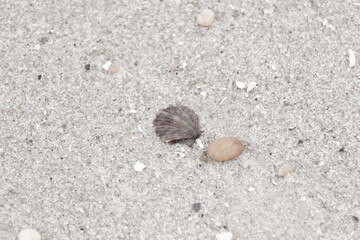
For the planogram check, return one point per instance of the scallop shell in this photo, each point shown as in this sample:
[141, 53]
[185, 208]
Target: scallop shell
[177, 124]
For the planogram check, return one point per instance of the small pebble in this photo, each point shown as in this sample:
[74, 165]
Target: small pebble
[224, 236]
[251, 86]
[106, 65]
[206, 17]
[196, 207]
[285, 169]
[140, 129]
[223, 100]
[139, 166]
[87, 67]
[269, 9]
[39, 77]
[225, 149]
[29, 234]
[112, 69]
[352, 58]
[240, 85]
[273, 182]
[201, 145]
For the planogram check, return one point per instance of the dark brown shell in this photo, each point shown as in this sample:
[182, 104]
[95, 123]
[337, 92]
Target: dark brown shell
[177, 124]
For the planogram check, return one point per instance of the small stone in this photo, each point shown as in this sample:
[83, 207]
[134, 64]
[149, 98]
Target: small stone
[352, 58]
[285, 169]
[224, 236]
[203, 158]
[29, 234]
[273, 182]
[87, 67]
[39, 77]
[196, 207]
[139, 166]
[225, 149]
[251, 86]
[206, 17]
[106, 65]
[269, 9]
[112, 69]
[200, 144]
[140, 129]
[240, 85]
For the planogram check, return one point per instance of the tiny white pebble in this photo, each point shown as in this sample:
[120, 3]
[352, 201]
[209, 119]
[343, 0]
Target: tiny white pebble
[203, 94]
[139, 166]
[106, 65]
[269, 9]
[251, 86]
[240, 85]
[273, 182]
[206, 17]
[29, 234]
[223, 100]
[321, 163]
[352, 58]
[37, 47]
[251, 189]
[132, 111]
[140, 129]
[285, 169]
[201, 145]
[224, 236]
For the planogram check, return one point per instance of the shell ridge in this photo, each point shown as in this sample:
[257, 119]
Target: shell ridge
[177, 124]
[186, 117]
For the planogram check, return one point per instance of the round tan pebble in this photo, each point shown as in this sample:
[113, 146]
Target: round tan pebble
[206, 17]
[225, 149]
[285, 169]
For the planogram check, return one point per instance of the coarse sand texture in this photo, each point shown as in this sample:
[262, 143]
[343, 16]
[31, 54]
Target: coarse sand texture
[81, 83]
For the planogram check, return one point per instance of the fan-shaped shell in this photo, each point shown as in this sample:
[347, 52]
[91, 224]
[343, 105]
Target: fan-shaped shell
[177, 124]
